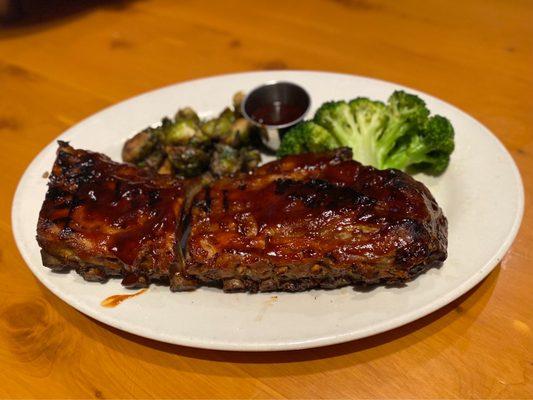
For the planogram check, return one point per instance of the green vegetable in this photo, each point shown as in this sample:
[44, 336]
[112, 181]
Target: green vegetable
[182, 132]
[227, 160]
[177, 132]
[250, 158]
[307, 137]
[187, 114]
[428, 151]
[237, 100]
[238, 134]
[407, 113]
[399, 134]
[187, 161]
[189, 146]
[140, 146]
[208, 127]
[371, 118]
[220, 126]
[153, 160]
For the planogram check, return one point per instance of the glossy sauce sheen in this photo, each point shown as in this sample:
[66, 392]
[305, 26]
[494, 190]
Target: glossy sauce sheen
[101, 209]
[311, 208]
[277, 114]
[115, 300]
[126, 215]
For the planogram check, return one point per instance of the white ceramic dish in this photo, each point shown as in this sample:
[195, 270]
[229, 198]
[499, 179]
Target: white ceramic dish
[481, 194]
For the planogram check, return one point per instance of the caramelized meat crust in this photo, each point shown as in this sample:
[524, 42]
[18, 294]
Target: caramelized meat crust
[305, 221]
[314, 220]
[107, 219]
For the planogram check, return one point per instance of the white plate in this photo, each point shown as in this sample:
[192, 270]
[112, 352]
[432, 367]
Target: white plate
[481, 194]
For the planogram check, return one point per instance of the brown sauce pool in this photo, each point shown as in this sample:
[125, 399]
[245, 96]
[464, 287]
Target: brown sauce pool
[115, 300]
[277, 113]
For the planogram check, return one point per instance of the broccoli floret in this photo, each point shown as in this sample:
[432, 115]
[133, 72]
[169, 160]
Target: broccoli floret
[399, 134]
[406, 114]
[337, 118]
[371, 117]
[358, 124]
[429, 150]
[306, 137]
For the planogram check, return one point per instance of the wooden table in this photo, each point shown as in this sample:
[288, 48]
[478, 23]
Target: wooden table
[476, 54]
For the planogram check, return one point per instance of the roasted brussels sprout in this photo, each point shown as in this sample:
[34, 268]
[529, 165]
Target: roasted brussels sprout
[188, 146]
[218, 127]
[238, 135]
[187, 114]
[138, 147]
[153, 160]
[227, 160]
[187, 161]
[250, 158]
[237, 103]
[183, 132]
[165, 168]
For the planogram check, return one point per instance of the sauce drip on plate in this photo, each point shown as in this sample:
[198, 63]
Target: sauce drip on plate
[115, 300]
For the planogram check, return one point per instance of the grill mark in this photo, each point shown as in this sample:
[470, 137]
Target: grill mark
[153, 197]
[62, 220]
[54, 193]
[207, 200]
[68, 218]
[118, 186]
[225, 204]
[73, 204]
[320, 193]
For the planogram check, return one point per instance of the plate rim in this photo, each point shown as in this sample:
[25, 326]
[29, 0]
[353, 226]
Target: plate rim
[376, 328]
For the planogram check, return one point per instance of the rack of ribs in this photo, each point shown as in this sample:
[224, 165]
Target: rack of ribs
[302, 222]
[314, 221]
[105, 219]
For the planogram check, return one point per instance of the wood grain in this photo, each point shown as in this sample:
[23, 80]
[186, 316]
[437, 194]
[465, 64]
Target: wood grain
[476, 54]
